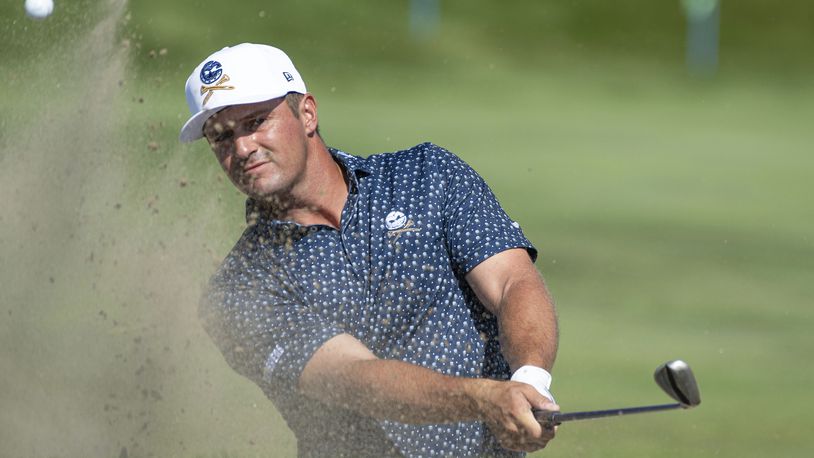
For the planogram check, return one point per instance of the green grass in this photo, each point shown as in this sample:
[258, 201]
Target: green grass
[672, 217]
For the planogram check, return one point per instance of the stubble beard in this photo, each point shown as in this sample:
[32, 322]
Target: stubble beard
[279, 201]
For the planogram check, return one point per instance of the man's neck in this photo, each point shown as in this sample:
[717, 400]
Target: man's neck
[318, 198]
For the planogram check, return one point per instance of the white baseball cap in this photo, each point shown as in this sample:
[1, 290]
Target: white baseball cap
[241, 74]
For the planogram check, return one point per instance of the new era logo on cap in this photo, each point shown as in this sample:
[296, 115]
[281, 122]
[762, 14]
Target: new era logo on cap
[248, 69]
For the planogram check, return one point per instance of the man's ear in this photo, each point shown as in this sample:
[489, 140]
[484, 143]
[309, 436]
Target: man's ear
[308, 114]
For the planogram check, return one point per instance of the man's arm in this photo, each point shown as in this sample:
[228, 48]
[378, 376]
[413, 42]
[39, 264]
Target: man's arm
[510, 287]
[343, 372]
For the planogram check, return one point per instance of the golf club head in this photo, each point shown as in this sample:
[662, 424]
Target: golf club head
[677, 380]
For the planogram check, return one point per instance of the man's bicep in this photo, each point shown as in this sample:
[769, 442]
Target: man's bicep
[491, 278]
[328, 364]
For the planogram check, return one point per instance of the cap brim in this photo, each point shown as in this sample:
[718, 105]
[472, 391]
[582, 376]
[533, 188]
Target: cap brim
[193, 128]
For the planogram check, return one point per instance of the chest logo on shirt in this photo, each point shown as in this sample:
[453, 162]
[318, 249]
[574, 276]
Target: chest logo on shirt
[397, 223]
[395, 220]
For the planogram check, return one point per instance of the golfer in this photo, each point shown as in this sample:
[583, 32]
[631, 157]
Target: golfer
[387, 305]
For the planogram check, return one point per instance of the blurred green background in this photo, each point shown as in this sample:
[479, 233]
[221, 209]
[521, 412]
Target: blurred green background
[670, 210]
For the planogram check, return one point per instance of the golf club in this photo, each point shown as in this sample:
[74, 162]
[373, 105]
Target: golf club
[674, 377]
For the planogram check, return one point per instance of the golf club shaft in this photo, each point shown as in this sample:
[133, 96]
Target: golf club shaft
[559, 417]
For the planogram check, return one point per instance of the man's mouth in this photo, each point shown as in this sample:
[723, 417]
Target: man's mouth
[254, 165]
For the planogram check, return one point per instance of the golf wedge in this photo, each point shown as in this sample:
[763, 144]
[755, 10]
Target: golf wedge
[674, 377]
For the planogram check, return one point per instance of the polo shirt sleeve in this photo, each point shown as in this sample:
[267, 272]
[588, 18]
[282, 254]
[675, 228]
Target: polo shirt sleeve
[475, 225]
[260, 323]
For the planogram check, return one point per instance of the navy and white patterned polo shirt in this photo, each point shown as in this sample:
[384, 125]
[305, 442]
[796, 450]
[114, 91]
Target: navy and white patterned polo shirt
[415, 222]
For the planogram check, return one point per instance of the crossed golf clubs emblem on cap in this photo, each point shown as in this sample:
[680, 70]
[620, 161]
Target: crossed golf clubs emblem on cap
[209, 90]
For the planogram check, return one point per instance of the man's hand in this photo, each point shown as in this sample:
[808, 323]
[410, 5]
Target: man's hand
[506, 408]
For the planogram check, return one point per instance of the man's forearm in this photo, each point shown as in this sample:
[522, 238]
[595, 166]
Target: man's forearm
[343, 372]
[510, 287]
[406, 393]
[528, 324]
[399, 391]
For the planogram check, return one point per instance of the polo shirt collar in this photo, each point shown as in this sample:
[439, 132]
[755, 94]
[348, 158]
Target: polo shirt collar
[350, 163]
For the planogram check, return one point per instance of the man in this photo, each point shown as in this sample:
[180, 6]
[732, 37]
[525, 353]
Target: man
[383, 303]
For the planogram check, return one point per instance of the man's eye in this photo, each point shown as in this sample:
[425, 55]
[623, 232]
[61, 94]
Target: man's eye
[258, 122]
[222, 136]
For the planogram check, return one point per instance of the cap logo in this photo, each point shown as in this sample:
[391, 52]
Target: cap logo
[288, 77]
[209, 90]
[211, 71]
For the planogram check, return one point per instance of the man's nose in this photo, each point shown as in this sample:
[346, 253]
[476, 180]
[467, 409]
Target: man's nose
[245, 145]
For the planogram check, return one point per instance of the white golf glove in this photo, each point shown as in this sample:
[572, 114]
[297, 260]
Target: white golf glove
[537, 377]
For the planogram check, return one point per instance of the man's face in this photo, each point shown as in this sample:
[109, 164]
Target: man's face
[261, 146]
